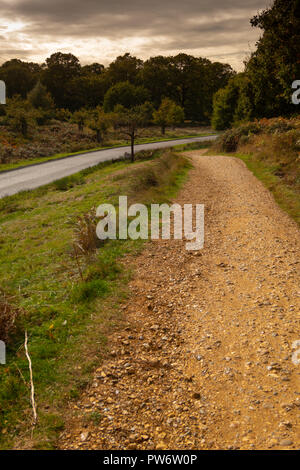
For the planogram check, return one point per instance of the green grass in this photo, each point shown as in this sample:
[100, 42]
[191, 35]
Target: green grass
[67, 316]
[35, 161]
[286, 196]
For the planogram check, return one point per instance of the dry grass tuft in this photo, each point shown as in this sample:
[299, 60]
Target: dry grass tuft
[85, 238]
[8, 316]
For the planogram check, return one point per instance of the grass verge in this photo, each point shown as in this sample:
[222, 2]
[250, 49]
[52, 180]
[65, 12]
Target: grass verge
[68, 303]
[286, 195]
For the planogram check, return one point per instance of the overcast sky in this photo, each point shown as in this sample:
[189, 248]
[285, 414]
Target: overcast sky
[100, 30]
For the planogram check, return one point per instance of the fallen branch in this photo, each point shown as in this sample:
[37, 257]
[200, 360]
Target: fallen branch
[31, 381]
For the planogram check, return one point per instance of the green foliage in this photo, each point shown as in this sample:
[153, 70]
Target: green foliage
[274, 66]
[130, 120]
[125, 94]
[20, 116]
[168, 114]
[62, 114]
[265, 88]
[100, 122]
[231, 103]
[79, 118]
[124, 69]
[38, 97]
[68, 182]
[189, 81]
[60, 70]
[19, 77]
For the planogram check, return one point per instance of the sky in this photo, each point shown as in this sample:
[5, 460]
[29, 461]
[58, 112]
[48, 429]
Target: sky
[101, 30]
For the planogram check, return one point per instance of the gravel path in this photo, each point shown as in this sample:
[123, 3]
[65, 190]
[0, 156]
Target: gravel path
[206, 359]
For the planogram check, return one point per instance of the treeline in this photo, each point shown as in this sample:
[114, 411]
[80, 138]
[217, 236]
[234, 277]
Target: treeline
[264, 89]
[190, 82]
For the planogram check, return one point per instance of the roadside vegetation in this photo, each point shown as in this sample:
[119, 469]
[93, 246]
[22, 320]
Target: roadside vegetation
[65, 287]
[271, 149]
[57, 140]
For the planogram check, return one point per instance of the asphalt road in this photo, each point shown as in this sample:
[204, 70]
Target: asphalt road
[31, 177]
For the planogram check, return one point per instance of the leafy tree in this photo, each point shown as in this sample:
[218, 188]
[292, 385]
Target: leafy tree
[63, 115]
[229, 104]
[87, 91]
[157, 77]
[265, 90]
[39, 97]
[124, 68]
[275, 64]
[168, 114]
[130, 121]
[99, 122]
[125, 94]
[21, 117]
[79, 118]
[59, 70]
[20, 77]
[93, 69]
[188, 81]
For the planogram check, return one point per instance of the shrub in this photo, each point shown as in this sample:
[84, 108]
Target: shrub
[229, 141]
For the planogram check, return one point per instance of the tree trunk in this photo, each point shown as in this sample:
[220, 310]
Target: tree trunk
[132, 147]
[99, 136]
[163, 129]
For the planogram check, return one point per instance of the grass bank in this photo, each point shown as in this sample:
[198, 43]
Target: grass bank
[287, 196]
[65, 288]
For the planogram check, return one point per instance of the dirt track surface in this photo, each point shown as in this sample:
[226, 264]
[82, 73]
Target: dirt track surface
[206, 359]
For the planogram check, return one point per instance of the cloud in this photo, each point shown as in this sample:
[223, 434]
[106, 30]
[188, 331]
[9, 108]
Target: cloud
[101, 29]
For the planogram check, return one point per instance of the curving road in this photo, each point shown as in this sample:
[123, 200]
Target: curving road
[33, 176]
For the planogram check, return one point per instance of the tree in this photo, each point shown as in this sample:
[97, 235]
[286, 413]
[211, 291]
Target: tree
[188, 81]
[59, 70]
[176, 115]
[124, 69]
[20, 77]
[99, 122]
[275, 64]
[125, 94]
[79, 118]
[93, 69]
[168, 114]
[39, 97]
[157, 76]
[130, 120]
[20, 116]
[226, 104]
